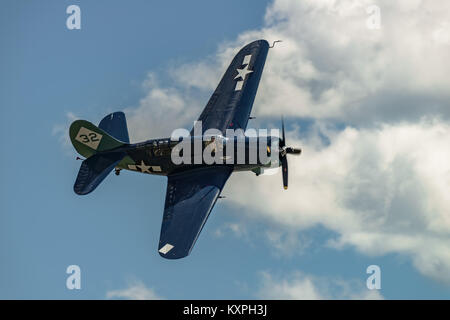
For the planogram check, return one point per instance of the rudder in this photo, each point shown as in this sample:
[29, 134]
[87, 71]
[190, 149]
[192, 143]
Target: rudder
[116, 125]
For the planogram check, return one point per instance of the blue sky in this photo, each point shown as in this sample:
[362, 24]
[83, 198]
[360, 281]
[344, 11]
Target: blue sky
[48, 71]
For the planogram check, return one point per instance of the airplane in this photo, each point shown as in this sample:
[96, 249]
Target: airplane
[192, 188]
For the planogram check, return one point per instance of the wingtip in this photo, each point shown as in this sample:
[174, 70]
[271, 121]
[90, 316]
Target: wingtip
[172, 256]
[79, 190]
[168, 251]
[260, 42]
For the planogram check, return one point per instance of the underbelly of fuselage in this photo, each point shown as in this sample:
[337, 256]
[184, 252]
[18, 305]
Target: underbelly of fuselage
[164, 165]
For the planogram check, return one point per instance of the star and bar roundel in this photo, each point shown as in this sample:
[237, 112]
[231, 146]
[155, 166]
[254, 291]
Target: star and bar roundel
[242, 73]
[144, 168]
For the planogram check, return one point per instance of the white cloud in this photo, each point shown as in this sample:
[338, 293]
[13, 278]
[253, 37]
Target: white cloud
[237, 229]
[160, 111]
[281, 242]
[61, 131]
[136, 290]
[331, 66]
[382, 190]
[381, 184]
[287, 243]
[300, 286]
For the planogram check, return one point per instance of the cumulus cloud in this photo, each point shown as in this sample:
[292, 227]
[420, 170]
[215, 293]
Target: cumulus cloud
[136, 290]
[300, 286]
[162, 110]
[331, 66]
[381, 179]
[380, 183]
[382, 190]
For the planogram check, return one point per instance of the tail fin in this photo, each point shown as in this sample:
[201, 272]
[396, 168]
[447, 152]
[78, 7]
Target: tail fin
[99, 145]
[116, 125]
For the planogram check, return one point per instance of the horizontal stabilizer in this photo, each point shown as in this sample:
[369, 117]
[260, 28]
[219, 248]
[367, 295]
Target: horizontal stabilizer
[94, 170]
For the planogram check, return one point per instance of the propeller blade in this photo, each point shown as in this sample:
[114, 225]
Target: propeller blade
[282, 141]
[284, 168]
[284, 151]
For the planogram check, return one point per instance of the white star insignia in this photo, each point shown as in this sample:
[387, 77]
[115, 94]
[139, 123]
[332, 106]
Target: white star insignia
[243, 72]
[143, 167]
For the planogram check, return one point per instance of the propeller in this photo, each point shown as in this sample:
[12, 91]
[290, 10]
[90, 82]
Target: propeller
[284, 151]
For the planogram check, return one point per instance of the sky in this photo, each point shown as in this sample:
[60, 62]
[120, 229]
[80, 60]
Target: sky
[368, 103]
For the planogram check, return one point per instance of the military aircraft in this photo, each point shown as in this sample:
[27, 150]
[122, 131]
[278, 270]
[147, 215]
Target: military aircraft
[193, 187]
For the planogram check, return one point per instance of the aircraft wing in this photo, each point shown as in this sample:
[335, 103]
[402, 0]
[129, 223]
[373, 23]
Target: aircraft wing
[190, 197]
[231, 103]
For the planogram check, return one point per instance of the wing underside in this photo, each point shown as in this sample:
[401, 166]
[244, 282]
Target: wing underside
[190, 197]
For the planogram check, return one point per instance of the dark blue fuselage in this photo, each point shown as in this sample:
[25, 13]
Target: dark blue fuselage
[166, 156]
